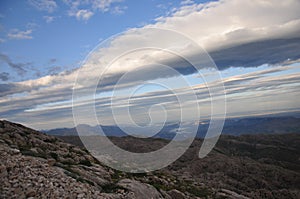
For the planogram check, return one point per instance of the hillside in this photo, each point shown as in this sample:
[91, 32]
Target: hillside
[257, 166]
[34, 164]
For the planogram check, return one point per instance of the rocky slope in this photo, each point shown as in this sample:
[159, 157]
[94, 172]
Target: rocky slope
[254, 166]
[36, 165]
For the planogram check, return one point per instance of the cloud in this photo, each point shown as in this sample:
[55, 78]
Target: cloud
[22, 34]
[85, 9]
[54, 70]
[18, 67]
[235, 33]
[186, 2]
[44, 5]
[258, 89]
[103, 5]
[83, 15]
[270, 51]
[18, 34]
[118, 10]
[2, 40]
[225, 24]
[243, 34]
[4, 76]
[49, 19]
[235, 39]
[12, 88]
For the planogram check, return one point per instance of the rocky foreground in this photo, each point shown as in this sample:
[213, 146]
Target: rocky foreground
[36, 165]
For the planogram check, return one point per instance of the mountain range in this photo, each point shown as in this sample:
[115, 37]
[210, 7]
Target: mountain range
[235, 126]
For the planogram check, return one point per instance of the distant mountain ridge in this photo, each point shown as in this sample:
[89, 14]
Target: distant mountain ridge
[236, 126]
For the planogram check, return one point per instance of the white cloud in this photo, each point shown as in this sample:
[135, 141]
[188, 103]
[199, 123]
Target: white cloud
[18, 34]
[84, 9]
[186, 2]
[44, 5]
[49, 19]
[83, 15]
[118, 10]
[103, 5]
[230, 22]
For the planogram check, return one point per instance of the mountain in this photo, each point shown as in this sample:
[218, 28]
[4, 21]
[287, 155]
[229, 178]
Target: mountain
[87, 129]
[166, 132]
[34, 164]
[235, 126]
[259, 125]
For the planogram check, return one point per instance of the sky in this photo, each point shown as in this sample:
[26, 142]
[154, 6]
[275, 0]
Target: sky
[131, 60]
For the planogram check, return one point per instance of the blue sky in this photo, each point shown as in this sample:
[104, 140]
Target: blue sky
[45, 44]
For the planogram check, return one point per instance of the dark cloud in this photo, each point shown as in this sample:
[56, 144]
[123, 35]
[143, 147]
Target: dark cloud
[4, 76]
[18, 67]
[12, 88]
[162, 69]
[254, 54]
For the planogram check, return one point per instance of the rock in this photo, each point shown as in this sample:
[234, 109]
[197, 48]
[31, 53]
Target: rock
[231, 194]
[175, 194]
[140, 190]
[165, 194]
[51, 161]
[81, 195]
[30, 193]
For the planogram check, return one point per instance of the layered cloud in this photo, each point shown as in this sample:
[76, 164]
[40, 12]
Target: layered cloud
[235, 34]
[256, 89]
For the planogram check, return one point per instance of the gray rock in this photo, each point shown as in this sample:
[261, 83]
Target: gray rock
[175, 194]
[140, 190]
